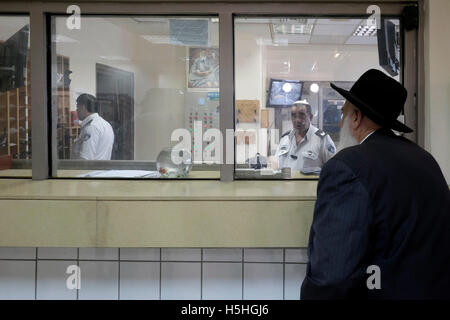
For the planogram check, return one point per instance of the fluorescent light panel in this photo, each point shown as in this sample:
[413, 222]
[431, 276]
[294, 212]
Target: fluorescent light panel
[365, 31]
[292, 28]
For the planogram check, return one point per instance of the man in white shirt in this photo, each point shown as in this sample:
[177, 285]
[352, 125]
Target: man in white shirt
[305, 148]
[96, 138]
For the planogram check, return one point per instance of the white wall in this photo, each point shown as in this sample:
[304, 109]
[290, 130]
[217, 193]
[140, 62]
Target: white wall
[96, 38]
[159, 74]
[159, 77]
[249, 63]
[437, 82]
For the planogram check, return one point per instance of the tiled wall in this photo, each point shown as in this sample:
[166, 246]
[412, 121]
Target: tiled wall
[152, 273]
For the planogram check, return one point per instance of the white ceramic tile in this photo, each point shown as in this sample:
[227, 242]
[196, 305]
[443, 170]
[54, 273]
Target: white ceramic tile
[99, 280]
[222, 254]
[263, 255]
[17, 253]
[222, 281]
[180, 281]
[296, 255]
[180, 254]
[52, 281]
[139, 280]
[294, 275]
[151, 254]
[99, 253]
[17, 280]
[263, 281]
[57, 253]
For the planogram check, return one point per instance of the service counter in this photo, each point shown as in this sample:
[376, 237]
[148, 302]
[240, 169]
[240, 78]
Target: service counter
[155, 213]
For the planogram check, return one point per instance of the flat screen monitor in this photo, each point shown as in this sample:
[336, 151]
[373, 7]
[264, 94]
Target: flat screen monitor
[13, 60]
[283, 93]
[388, 48]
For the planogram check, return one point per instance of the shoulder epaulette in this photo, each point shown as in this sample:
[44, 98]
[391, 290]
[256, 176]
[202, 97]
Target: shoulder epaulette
[285, 134]
[87, 123]
[321, 133]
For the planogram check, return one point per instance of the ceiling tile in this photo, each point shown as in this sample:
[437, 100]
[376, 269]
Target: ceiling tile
[362, 40]
[328, 39]
[334, 30]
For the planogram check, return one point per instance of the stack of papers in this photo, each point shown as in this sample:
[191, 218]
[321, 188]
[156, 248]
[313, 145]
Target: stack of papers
[121, 174]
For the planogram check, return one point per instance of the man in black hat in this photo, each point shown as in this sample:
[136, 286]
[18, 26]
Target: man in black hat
[381, 226]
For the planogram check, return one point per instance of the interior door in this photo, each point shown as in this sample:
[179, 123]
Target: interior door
[115, 93]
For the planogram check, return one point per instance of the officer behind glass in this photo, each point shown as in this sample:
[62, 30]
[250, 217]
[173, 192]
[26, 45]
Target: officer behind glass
[305, 148]
[96, 138]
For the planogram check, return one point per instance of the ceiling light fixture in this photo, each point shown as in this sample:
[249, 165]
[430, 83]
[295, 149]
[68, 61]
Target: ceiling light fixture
[314, 88]
[365, 31]
[292, 28]
[287, 87]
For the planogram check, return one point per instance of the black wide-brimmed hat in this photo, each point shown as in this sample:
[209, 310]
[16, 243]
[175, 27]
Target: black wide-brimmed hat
[379, 97]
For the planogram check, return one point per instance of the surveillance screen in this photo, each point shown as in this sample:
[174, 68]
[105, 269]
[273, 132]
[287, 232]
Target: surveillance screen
[284, 93]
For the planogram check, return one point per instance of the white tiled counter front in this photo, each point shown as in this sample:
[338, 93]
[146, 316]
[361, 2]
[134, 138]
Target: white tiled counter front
[152, 273]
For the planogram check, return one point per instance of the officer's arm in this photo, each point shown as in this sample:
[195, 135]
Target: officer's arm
[90, 143]
[273, 160]
[339, 236]
[328, 149]
[284, 141]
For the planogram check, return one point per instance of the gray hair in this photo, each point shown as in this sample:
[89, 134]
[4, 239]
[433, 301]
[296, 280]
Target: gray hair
[303, 103]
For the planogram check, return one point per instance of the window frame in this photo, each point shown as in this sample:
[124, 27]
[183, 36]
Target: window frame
[43, 125]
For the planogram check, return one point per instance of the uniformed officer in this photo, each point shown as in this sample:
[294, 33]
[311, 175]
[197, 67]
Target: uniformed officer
[96, 138]
[305, 148]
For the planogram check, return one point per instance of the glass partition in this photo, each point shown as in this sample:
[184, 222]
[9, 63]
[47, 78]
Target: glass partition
[287, 115]
[135, 96]
[15, 103]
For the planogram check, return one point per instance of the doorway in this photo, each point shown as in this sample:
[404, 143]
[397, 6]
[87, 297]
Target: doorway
[115, 94]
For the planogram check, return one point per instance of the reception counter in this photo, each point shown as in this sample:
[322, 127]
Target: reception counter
[145, 213]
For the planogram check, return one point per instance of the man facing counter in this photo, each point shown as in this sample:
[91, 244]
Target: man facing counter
[305, 148]
[383, 207]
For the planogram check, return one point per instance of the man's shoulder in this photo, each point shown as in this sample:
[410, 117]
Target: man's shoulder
[99, 122]
[95, 123]
[348, 153]
[286, 134]
[285, 138]
[353, 157]
[319, 133]
[337, 171]
[386, 154]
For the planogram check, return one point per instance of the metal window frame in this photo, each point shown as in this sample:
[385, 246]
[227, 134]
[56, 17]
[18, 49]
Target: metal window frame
[43, 126]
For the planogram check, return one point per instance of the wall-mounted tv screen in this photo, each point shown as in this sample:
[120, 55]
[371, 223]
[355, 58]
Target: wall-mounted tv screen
[388, 48]
[13, 60]
[283, 93]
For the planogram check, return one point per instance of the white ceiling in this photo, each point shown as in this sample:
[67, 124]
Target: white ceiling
[330, 31]
[337, 31]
